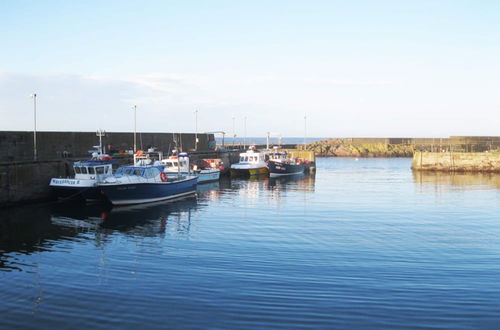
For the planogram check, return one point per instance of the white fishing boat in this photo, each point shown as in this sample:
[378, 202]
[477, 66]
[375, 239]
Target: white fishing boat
[251, 163]
[180, 164]
[149, 157]
[87, 175]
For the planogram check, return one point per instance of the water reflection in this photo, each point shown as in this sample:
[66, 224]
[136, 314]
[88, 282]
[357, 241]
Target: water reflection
[301, 182]
[143, 219]
[28, 230]
[445, 181]
[38, 228]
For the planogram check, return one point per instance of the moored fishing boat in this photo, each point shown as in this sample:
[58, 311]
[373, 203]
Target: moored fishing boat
[251, 163]
[180, 164]
[144, 184]
[149, 157]
[84, 183]
[280, 164]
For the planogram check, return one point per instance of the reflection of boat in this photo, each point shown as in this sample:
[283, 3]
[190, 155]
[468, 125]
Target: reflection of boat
[180, 164]
[87, 175]
[297, 182]
[138, 215]
[251, 163]
[280, 164]
[145, 184]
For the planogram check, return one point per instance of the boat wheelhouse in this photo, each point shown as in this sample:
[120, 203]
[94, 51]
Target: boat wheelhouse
[149, 157]
[177, 164]
[251, 163]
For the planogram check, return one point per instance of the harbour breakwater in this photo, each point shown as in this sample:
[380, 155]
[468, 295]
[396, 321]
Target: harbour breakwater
[401, 147]
[457, 161]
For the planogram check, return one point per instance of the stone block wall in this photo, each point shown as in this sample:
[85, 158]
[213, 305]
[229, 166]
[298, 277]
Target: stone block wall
[18, 145]
[29, 181]
[457, 161]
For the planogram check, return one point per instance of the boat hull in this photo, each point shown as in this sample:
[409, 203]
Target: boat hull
[208, 176]
[75, 189]
[247, 172]
[203, 176]
[281, 169]
[136, 193]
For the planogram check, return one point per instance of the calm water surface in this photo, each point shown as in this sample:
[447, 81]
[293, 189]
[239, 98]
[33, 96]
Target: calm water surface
[364, 243]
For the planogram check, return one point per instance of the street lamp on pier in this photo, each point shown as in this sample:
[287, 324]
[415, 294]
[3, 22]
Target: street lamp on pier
[305, 131]
[135, 128]
[245, 133]
[196, 130]
[35, 156]
[234, 132]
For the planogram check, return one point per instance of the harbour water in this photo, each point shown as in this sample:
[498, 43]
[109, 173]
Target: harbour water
[363, 243]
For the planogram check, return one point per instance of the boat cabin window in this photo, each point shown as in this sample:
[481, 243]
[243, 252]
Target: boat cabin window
[91, 170]
[84, 170]
[77, 170]
[172, 164]
[129, 171]
[150, 173]
[99, 170]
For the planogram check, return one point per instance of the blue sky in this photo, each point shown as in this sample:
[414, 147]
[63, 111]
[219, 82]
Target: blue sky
[356, 68]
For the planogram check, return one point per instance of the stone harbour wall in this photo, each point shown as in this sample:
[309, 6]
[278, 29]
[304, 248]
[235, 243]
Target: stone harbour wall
[18, 145]
[457, 161]
[29, 181]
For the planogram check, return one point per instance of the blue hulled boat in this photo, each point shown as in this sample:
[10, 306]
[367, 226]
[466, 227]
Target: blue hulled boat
[145, 184]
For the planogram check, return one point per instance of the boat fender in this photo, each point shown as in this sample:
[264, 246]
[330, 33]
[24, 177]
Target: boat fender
[163, 176]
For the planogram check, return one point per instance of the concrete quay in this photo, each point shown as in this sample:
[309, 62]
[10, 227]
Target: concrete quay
[457, 161]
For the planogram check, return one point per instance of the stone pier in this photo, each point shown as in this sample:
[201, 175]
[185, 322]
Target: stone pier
[457, 161]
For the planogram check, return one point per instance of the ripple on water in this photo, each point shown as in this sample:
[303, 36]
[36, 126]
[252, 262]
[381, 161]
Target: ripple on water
[362, 244]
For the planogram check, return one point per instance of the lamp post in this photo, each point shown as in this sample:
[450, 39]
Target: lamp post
[245, 133]
[234, 133]
[34, 126]
[135, 128]
[196, 130]
[305, 130]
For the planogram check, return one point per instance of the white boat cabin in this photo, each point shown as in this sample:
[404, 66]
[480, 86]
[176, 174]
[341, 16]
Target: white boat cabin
[252, 157]
[150, 157]
[92, 169]
[175, 164]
